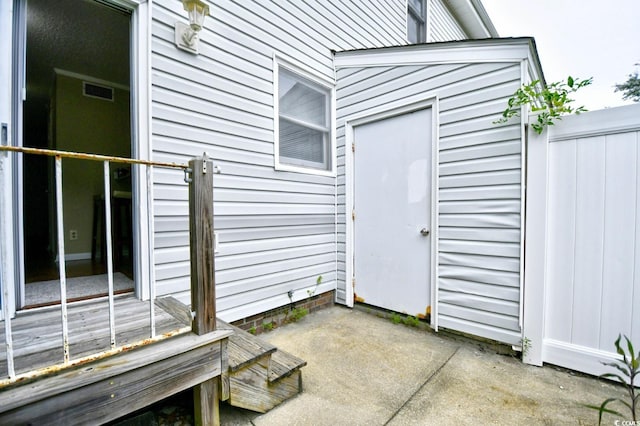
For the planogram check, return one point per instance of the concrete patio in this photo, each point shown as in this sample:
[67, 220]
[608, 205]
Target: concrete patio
[364, 370]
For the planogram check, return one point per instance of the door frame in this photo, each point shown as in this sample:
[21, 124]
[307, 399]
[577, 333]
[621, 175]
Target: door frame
[7, 257]
[390, 110]
[11, 234]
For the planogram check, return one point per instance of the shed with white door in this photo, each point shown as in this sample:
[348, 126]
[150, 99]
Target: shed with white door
[430, 190]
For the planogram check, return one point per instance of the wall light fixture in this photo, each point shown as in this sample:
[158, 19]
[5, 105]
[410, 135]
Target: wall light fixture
[186, 36]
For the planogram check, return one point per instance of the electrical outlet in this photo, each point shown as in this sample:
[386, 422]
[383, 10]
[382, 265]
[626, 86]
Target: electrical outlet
[73, 234]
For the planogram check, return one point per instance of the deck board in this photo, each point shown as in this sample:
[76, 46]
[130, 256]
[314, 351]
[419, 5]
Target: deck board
[109, 388]
[37, 334]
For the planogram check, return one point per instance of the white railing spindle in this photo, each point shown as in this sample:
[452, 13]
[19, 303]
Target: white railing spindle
[61, 261]
[4, 287]
[8, 340]
[107, 230]
[152, 287]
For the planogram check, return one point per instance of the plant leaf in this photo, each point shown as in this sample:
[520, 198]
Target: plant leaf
[613, 376]
[602, 409]
[551, 99]
[630, 347]
[622, 368]
[618, 347]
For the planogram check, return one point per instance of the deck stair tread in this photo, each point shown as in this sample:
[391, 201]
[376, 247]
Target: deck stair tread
[245, 348]
[283, 364]
[259, 375]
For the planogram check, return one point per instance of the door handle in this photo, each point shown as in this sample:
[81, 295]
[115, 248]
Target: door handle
[424, 232]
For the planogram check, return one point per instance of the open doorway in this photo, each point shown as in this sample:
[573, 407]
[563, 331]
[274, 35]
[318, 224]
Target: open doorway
[77, 99]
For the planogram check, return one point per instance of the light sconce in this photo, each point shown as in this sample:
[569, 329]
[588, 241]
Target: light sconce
[186, 36]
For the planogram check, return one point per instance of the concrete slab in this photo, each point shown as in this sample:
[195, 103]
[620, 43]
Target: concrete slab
[363, 369]
[477, 387]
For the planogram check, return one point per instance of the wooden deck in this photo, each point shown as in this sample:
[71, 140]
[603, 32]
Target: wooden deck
[109, 385]
[37, 334]
[104, 390]
[92, 380]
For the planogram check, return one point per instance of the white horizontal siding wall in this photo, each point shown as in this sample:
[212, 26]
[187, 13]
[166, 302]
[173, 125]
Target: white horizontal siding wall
[593, 243]
[479, 184]
[277, 229]
[442, 26]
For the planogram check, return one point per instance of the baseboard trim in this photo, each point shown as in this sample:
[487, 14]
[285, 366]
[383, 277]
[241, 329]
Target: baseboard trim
[76, 256]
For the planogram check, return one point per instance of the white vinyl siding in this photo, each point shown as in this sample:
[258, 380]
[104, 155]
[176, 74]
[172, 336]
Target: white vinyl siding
[277, 229]
[443, 26]
[479, 184]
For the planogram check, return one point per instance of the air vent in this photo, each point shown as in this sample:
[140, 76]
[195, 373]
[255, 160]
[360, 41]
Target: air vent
[96, 91]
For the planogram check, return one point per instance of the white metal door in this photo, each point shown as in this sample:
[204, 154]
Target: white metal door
[392, 207]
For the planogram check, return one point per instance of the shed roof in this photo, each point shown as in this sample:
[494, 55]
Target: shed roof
[515, 49]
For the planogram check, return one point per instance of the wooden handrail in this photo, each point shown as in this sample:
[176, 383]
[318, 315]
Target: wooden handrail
[86, 156]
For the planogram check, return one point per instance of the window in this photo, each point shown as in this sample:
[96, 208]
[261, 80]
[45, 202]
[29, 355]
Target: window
[304, 138]
[416, 21]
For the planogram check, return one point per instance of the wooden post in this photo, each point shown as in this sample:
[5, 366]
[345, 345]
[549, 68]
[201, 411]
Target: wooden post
[203, 290]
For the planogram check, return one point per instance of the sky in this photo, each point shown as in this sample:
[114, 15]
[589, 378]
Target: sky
[581, 38]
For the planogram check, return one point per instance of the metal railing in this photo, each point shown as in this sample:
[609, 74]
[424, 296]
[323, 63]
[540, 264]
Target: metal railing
[67, 359]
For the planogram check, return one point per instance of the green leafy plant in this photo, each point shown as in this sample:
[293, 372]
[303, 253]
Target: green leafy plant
[252, 330]
[629, 369]
[411, 321]
[396, 318]
[267, 326]
[408, 320]
[631, 87]
[551, 102]
[295, 314]
[312, 292]
[298, 313]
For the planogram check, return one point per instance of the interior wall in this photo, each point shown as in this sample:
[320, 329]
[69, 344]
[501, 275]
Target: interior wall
[91, 125]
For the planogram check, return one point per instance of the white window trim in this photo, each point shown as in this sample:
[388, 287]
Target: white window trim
[424, 17]
[313, 76]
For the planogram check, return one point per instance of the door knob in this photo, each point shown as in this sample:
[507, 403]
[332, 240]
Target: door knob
[424, 232]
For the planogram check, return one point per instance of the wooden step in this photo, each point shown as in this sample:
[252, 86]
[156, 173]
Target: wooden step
[245, 348]
[283, 364]
[259, 375]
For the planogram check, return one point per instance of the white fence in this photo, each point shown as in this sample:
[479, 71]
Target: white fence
[582, 279]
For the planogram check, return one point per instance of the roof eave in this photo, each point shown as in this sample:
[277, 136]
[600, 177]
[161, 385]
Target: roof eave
[485, 50]
[473, 18]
